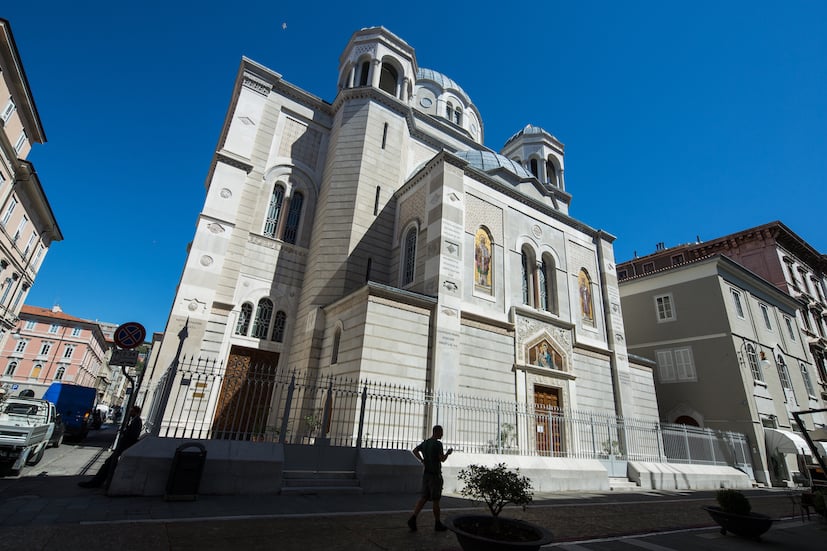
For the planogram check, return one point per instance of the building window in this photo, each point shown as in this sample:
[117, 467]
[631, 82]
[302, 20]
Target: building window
[410, 257]
[29, 243]
[808, 383]
[262, 322]
[664, 307]
[291, 229]
[337, 339]
[388, 78]
[736, 300]
[449, 111]
[243, 324]
[755, 367]
[648, 267]
[483, 262]
[765, 313]
[791, 273]
[384, 136]
[278, 326]
[527, 273]
[376, 201]
[677, 259]
[36, 371]
[790, 329]
[364, 72]
[784, 374]
[621, 274]
[10, 369]
[21, 140]
[547, 284]
[9, 211]
[532, 166]
[6, 290]
[8, 110]
[21, 346]
[817, 286]
[68, 351]
[20, 227]
[61, 371]
[274, 211]
[551, 173]
[76, 331]
[676, 365]
[458, 116]
[30, 325]
[45, 348]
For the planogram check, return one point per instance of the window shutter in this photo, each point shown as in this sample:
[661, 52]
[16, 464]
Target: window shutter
[666, 367]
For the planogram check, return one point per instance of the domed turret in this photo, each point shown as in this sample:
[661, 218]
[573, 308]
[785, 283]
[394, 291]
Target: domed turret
[440, 96]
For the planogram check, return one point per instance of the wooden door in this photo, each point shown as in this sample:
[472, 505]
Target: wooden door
[547, 415]
[246, 393]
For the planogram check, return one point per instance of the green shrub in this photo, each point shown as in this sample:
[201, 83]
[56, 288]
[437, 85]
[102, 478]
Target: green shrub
[733, 501]
[496, 486]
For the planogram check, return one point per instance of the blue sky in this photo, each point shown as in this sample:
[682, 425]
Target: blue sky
[680, 119]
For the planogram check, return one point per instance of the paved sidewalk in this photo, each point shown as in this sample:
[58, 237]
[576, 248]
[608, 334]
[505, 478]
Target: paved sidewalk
[53, 513]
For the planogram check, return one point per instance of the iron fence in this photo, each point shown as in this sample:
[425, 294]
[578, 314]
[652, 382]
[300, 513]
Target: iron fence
[206, 400]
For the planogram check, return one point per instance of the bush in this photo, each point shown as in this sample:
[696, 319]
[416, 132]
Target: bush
[733, 501]
[496, 486]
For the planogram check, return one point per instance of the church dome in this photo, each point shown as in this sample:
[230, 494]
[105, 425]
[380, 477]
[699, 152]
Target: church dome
[443, 82]
[488, 161]
[529, 130]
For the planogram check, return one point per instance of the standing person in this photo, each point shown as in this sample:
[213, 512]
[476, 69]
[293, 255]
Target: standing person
[129, 436]
[429, 453]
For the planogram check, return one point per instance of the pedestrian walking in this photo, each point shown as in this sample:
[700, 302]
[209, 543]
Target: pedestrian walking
[430, 454]
[129, 436]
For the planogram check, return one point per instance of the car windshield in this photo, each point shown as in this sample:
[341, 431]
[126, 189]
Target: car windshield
[21, 409]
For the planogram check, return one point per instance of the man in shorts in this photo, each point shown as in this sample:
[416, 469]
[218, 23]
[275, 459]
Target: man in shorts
[429, 453]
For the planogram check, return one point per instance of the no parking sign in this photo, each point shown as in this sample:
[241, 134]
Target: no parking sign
[130, 335]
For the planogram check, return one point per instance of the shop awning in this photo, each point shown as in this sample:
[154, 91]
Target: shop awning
[786, 441]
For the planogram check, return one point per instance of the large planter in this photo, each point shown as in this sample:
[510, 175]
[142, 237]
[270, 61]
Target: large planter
[751, 525]
[474, 533]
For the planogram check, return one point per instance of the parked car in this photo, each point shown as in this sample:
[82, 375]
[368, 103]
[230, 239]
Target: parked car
[26, 428]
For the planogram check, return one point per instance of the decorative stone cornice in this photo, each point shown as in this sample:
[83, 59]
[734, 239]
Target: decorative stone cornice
[256, 85]
[233, 160]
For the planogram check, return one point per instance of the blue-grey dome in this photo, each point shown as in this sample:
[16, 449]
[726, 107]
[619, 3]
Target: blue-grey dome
[488, 161]
[529, 129]
[444, 82]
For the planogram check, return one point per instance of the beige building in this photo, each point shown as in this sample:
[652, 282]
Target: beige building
[729, 355]
[376, 237]
[27, 224]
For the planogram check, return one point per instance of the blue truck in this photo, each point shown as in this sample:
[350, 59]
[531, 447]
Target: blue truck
[75, 404]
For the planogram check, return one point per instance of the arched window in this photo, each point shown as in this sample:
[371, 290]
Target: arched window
[551, 173]
[784, 374]
[535, 170]
[291, 229]
[262, 322]
[752, 360]
[10, 369]
[547, 284]
[274, 211]
[527, 274]
[483, 262]
[388, 78]
[449, 111]
[458, 116]
[36, 371]
[410, 257]
[278, 326]
[244, 316]
[584, 286]
[337, 338]
[363, 73]
[61, 371]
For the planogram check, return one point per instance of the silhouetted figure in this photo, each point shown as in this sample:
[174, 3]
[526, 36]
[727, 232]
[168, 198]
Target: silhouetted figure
[430, 455]
[129, 436]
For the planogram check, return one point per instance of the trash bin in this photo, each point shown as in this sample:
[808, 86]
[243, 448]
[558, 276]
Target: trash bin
[185, 474]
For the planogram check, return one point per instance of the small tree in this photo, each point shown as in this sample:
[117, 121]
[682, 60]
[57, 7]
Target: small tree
[496, 486]
[733, 501]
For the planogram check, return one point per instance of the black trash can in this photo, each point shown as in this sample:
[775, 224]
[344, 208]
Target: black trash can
[185, 474]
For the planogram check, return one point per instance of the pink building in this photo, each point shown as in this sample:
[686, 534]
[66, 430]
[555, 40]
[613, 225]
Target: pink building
[49, 345]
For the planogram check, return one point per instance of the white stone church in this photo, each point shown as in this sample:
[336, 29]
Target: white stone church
[376, 237]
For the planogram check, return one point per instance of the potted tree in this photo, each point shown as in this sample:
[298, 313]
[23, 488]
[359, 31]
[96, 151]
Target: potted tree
[734, 514]
[496, 487]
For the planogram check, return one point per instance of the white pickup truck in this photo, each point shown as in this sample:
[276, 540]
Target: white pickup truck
[26, 427]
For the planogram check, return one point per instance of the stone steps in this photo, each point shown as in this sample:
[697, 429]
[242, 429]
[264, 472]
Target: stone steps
[309, 482]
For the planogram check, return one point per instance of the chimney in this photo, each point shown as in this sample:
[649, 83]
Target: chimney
[660, 246]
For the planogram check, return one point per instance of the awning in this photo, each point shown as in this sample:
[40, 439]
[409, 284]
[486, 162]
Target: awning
[818, 435]
[786, 441]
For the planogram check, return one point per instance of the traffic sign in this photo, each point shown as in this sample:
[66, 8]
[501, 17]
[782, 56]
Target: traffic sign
[126, 358]
[130, 335]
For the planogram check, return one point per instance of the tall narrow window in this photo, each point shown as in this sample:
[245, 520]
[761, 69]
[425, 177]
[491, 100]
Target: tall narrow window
[262, 322]
[736, 301]
[449, 111]
[278, 326]
[384, 135]
[243, 324]
[458, 116]
[9, 211]
[551, 173]
[684, 364]
[274, 211]
[368, 269]
[36, 371]
[525, 275]
[765, 313]
[808, 383]
[8, 110]
[363, 73]
[6, 290]
[543, 286]
[20, 227]
[410, 257]
[68, 351]
[754, 366]
[534, 168]
[61, 371]
[784, 374]
[337, 338]
[666, 366]
[21, 140]
[21, 345]
[376, 200]
[665, 308]
[291, 230]
[790, 330]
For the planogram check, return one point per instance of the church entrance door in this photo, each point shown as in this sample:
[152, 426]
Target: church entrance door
[548, 420]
